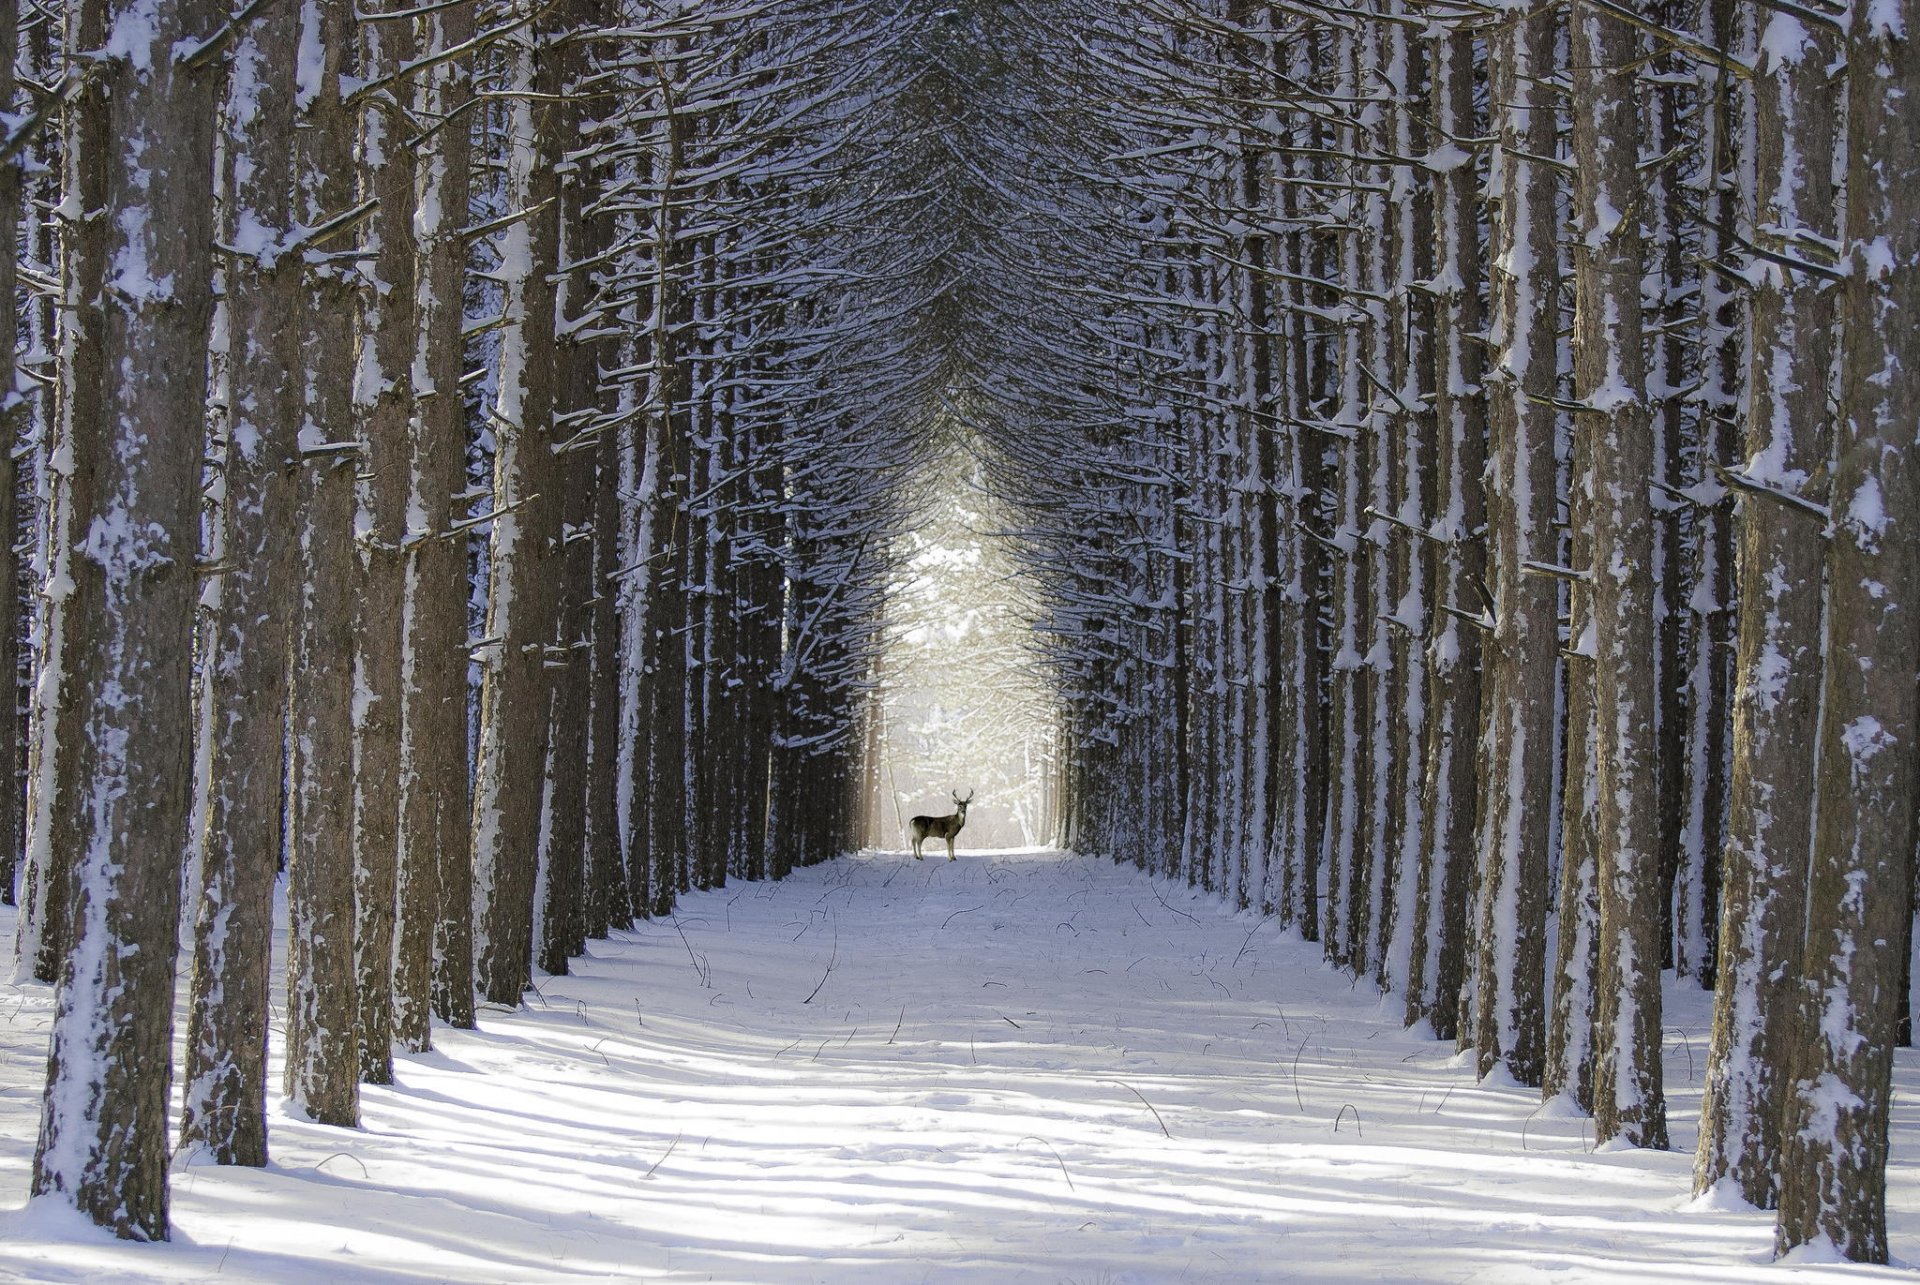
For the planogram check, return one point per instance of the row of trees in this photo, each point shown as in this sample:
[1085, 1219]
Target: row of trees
[1466, 455]
[460, 457]
[1492, 524]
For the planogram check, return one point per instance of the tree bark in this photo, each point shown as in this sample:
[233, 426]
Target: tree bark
[433, 950]
[1610, 384]
[1516, 763]
[1867, 768]
[1777, 669]
[1452, 786]
[140, 154]
[522, 603]
[224, 1110]
[383, 406]
[322, 1070]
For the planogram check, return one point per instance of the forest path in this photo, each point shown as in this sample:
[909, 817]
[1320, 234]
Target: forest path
[1012, 1067]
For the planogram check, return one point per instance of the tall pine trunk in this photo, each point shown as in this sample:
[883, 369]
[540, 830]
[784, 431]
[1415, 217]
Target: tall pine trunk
[322, 1070]
[1610, 384]
[225, 1076]
[140, 156]
[1867, 768]
[1777, 670]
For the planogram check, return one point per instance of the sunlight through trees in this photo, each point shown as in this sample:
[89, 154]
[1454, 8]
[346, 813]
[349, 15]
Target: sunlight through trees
[1440, 476]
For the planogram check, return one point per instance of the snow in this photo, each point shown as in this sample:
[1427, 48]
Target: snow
[1019, 1066]
[1884, 19]
[1867, 514]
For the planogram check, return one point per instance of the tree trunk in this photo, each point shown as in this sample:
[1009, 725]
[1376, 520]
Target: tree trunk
[224, 1110]
[1833, 1172]
[1451, 799]
[1610, 384]
[433, 949]
[1516, 765]
[522, 603]
[1777, 684]
[12, 416]
[140, 154]
[383, 406]
[322, 1071]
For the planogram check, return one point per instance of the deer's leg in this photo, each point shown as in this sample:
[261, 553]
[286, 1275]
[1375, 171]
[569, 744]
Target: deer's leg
[950, 855]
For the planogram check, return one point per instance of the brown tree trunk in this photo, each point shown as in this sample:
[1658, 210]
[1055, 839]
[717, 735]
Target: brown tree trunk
[140, 155]
[1516, 764]
[322, 1071]
[523, 600]
[1452, 783]
[12, 415]
[224, 1109]
[383, 407]
[433, 949]
[1610, 384]
[1867, 768]
[1777, 675]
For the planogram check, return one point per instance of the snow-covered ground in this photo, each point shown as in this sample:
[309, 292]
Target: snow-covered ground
[1015, 1067]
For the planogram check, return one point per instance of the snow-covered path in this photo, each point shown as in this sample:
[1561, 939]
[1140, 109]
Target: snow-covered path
[1011, 1067]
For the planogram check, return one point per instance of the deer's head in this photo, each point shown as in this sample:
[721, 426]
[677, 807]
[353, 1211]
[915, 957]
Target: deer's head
[962, 803]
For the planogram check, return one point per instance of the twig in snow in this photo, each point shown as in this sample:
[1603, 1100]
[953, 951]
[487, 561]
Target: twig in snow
[1686, 1044]
[1143, 1102]
[897, 1025]
[1167, 905]
[1009, 1021]
[1298, 1100]
[831, 960]
[1245, 941]
[1346, 1107]
[343, 1155]
[704, 973]
[956, 914]
[663, 1159]
[1056, 1157]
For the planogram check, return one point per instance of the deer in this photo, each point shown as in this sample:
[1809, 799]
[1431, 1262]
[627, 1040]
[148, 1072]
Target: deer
[946, 827]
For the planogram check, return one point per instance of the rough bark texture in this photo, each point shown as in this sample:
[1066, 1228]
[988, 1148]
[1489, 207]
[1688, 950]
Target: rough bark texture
[1460, 522]
[383, 407]
[12, 417]
[433, 948]
[1860, 895]
[1516, 761]
[252, 598]
[511, 769]
[1610, 384]
[141, 152]
[1777, 684]
[322, 1071]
